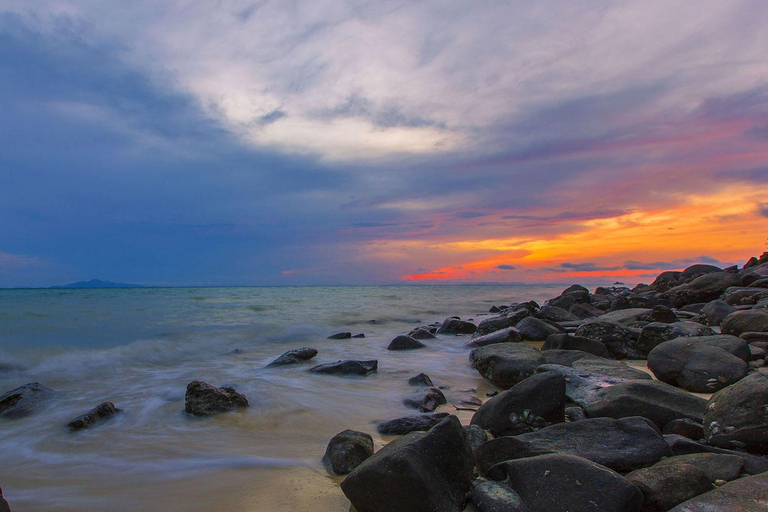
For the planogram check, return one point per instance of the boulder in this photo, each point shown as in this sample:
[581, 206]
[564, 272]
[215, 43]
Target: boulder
[704, 288]
[490, 496]
[24, 400]
[716, 466]
[664, 486]
[202, 399]
[684, 427]
[570, 342]
[420, 472]
[662, 314]
[402, 426]
[535, 329]
[507, 335]
[98, 414]
[296, 356]
[492, 324]
[340, 336]
[347, 367]
[609, 368]
[476, 435]
[456, 326]
[426, 400]
[575, 413]
[742, 495]
[506, 364]
[347, 450]
[405, 343]
[750, 320]
[753, 464]
[542, 395]
[618, 339]
[695, 365]
[744, 296]
[567, 483]
[581, 386]
[421, 334]
[555, 314]
[563, 357]
[622, 445]
[421, 379]
[737, 416]
[4, 506]
[584, 311]
[627, 316]
[657, 332]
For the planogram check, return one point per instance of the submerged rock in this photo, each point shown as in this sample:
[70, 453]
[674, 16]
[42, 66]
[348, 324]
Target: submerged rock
[421, 334]
[427, 400]
[99, 413]
[340, 336]
[202, 399]
[347, 367]
[24, 400]
[402, 426]
[296, 356]
[421, 379]
[347, 450]
[4, 506]
[506, 364]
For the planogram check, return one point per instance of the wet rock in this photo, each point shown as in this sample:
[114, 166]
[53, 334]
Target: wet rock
[566, 483]
[427, 400]
[581, 386]
[347, 367]
[24, 400]
[569, 342]
[737, 416]
[751, 320]
[421, 379]
[656, 333]
[508, 335]
[347, 450]
[493, 324]
[420, 472]
[456, 326]
[618, 339]
[340, 336]
[542, 395]
[695, 365]
[753, 464]
[202, 399]
[704, 288]
[506, 364]
[622, 445]
[684, 427]
[476, 435]
[405, 343]
[555, 314]
[742, 495]
[490, 496]
[361, 335]
[657, 401]
[296, 356]
[535, 329]
[421, 334]
[664, 486]
[407, 424]
[716, 311]
[98, 414]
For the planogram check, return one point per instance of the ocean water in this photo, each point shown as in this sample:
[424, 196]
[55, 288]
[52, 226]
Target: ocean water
[140, 347]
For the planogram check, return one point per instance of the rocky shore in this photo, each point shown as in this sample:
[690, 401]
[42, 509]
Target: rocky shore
[571, 426]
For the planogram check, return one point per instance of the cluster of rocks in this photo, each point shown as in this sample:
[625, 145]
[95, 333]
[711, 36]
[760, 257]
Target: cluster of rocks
[576, 428]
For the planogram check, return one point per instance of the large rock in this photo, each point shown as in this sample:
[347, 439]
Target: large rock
[420, 472]
[753, 464]
[715, 311]
[744, 296]
[506, 364]
[535, 329]
[656, 333]
[507, 335]
[408, 424]
[627, 316]
[296, 356]
[202, 399]
[657, 401]
[24, 400]
[750, 320]
[584, 311]
[622, 445]
[490, 496]
[405, 343]
[569, 342]
[696, 365]
[454, 325]
[581, 386]
[347, 450]
[705, 288]
[716, 466]
[609, 368]
[542, 395]
[618, 339]
[664, 486]
[347, 367]
[555, 314]
[421, 334]
[566, 483]
[98, 414]
[743, 495]
[492, 324]
[5, 507]
[426, 400]
[737, 416]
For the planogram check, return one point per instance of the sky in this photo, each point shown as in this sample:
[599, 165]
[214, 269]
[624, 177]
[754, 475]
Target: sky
[380, 142]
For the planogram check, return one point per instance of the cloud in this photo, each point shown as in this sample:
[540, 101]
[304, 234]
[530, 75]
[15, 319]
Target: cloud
[585, 267]
[506, 267]
[763, 209]
[673, 265]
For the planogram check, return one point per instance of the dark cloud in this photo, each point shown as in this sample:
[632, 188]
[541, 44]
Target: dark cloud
[757, 175]
[469, 215]
[506, 267]
[585, 267]
[672, 265]
[387, 114]
[763, 209]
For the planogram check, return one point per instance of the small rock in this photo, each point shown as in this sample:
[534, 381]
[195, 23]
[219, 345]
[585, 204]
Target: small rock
[508, 335]
[570, 342]
[24, 400]
[535, 329]
[753, 464]
[456, 326]
[99, 413]
[296, 356]
[347, 367]
[664, 486]
[490, 496]
[405, 343]
[340, 336]
[656, 333]
[476, 435]
[361, 335]
[402, 426]
[421, 379]
[347, 450]
[715, 311]
[684, 427]
[427, 400]
[421, 334]
[202, 399]
[4, 506]
[750, 320]
[618, 339]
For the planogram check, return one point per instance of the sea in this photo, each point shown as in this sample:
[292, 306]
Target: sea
[140, 347]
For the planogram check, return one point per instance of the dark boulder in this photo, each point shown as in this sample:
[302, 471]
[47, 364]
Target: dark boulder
[476, 435]
[455, 326]
[340, 336]
[664, 486]
[655, 333]
[407, 424]
[535, 329]
[629, 316]
[743, 495]
[715, 311]
[684, 427]
[563, 357]
[421, 379]
[581, 386]
[202, 399]
[753, 464]
[609, 368]
[405, 343]
[421, 334]
[569, 342]
[717, 466]
[347, 367]
[493, 324]
[420, 472]
[622, 445]
[704, 288]
[98, 414]
[566, 483]
[508, 335]
[575, 413]
[426, 400]
[744, 296]
[618, 339]
[296, 356]
[542, 395]
[24, 400]
[737, 416]
[662, 314]
[584, 311]
[4, 506]
[490, 496]
[750, 320]
[347, 450]
[555, 314]
[506, 364]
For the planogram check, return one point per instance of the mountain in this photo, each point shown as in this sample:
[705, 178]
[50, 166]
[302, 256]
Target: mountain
[97, 283]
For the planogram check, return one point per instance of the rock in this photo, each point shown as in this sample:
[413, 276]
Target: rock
[704, 288]
[750, 320]
[581, 386]
[609, 368]
[756, 353]
[296, 356]
[347, 450]
[476, 435]
[575, 288]
[740, 296]
[555, 314]
[456, 326]
[506, 364]
[662, 314]
[508, 335]
[420, 472]
[493, 324]
[542, 395]
[340, 336]
[618, 339]
[575, 413]
[535, 329]
[566, 483]
[657, 401]
[361, 335]
[737, 416]
[584, 311]
[569, 342]
[402, 426]
[421, 379]
[24, 400]
[715, 311]
[494, 309]
[426, 400]
[202, 399]
[99, 413]
[664, 486]
[5, 507]
[695, 365]
[347, 367]
[405, 343]
[716, 466]
[754, 337]
[655, 333]
[680, 445]
[490, 496]
[421, 334]
[684, 427]
[742, 495]
[622, 445]
[627, 316]
[563, 357]
[666, 280]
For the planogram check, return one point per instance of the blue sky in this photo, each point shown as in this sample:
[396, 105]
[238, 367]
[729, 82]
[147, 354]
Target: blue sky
[352, 142]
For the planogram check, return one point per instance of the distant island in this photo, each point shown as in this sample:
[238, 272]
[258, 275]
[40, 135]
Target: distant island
[97, 283]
